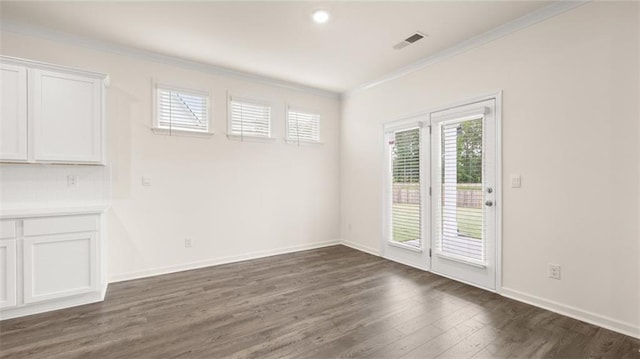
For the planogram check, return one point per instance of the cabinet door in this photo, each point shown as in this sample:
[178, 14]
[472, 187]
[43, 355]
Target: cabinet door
[67, 117]
[7, 273]
[13, 123]
[59, 266]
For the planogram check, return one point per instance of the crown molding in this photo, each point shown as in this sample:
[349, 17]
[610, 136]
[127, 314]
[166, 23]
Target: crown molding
[57, 36]
[496, 33]
[45, 66]
[525, 21]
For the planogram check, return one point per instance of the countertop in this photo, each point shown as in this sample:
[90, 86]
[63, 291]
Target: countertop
[25, 210]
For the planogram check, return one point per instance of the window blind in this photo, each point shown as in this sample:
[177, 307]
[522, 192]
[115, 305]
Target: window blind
[303, 126]
[461, 217]
[184, 111]
[406, 193]
[249, 119]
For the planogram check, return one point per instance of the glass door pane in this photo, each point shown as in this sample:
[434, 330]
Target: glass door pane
[462, 219]
[405, 191]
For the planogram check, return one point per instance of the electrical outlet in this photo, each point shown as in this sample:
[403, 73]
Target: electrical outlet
[554, 271]
[187, 242]
[73, 180]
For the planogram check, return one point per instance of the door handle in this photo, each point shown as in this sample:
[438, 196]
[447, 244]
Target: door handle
[488, 203]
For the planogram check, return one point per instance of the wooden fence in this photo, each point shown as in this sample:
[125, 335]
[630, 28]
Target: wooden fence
[469, 195]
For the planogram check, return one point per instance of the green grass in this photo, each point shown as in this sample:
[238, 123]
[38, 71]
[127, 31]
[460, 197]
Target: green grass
[469, 187]
[406, 218]
[470, 222]
[406, 222]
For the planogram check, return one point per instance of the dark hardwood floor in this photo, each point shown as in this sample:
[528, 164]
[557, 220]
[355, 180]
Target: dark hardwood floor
[333, 302]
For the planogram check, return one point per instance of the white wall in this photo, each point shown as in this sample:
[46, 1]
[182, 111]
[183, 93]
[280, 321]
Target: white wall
[570, 128]
[46, 185]
[233, 199]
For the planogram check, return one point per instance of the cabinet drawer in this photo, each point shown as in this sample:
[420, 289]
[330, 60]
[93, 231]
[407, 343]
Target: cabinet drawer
[64, 224]
[7, 229]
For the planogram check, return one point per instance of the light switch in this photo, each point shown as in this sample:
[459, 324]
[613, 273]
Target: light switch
[516, 181]
[146, 181]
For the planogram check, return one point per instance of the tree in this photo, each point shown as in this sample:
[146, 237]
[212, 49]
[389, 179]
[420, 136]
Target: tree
[406, 154]
[469, 148]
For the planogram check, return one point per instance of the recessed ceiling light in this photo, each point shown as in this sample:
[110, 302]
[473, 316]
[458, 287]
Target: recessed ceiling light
[320, 16]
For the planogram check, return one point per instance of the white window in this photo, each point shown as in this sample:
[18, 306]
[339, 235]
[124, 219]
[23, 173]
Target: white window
[249, 118]
[303, 126]
[179, 110]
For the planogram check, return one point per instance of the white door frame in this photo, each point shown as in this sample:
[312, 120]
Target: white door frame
[495, 95]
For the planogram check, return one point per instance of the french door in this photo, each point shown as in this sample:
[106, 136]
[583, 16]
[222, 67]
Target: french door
[463, 181]
[406, 201]
[441, 192]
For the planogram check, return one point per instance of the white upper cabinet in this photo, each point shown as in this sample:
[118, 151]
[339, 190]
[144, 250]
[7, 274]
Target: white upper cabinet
[54, 114]
[66, 114]
[13, 101]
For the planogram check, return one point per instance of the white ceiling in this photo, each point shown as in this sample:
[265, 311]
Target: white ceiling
[278, 39]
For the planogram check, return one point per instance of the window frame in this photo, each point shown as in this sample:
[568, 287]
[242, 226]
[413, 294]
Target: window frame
[251, 101]
[155, 125]
[299, 141]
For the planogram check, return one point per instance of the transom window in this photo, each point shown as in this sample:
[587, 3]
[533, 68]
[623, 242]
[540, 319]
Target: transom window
[249, 118]
[181, 110]
[303, 126]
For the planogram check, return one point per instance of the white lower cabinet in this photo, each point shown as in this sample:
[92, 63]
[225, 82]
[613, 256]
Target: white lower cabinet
[59, 266]
[8, 266]
[49, 263]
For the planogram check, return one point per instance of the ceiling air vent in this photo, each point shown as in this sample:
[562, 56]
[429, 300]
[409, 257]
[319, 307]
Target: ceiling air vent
[409, 40]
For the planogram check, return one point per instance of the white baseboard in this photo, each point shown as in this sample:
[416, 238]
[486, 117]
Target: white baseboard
[619, 326]
[103, 290]
[120, 277]
[360, 247]
[48, 306]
